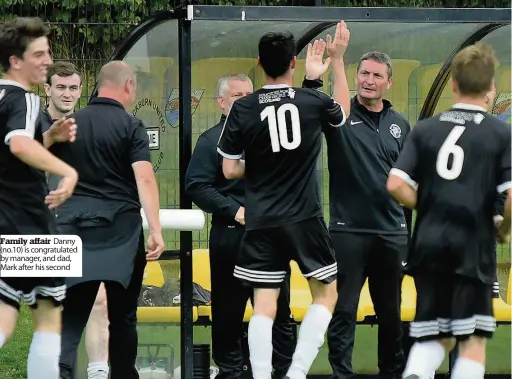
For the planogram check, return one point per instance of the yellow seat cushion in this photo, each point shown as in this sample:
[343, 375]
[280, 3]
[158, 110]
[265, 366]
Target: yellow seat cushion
[300, 295]
[170, 315]
[408, 307]
[201, 268]
[502, 310]
[153, 275]
[204, 311]
[365, 307]
[509, 288]
[248, 312]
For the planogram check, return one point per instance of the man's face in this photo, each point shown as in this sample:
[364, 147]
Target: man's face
[64, 92]
[372, 80]
[36, 60]
[236, 89]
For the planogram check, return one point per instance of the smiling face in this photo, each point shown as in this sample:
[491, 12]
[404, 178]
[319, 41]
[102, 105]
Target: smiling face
[33, 66]
[64, 92]
[233, 90]
[372, 80]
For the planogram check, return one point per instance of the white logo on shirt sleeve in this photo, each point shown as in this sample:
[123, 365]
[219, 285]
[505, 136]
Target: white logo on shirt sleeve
[395, 131]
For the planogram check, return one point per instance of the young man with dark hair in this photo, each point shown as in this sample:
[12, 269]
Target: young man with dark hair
[25, 58]
[224, 199]
[63, 89]
[459, 159]
[279, 128]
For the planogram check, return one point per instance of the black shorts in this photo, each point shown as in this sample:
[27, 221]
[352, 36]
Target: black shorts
[13, 290]
[265, 254]
[451, 305]
[36, 221]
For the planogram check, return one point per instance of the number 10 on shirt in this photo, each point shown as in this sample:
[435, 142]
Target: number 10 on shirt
[278, 127]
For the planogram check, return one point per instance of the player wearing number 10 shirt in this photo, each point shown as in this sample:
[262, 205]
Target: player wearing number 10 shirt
[459, 159]
[279, 129]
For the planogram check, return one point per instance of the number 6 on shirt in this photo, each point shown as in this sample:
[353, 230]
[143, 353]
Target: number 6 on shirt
[448, 148]
[278, 127]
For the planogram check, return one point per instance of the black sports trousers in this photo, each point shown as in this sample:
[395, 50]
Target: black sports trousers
[378, 258]
[122, 315]
[229, 299]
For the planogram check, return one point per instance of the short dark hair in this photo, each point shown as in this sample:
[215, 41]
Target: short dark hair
[276, 51]
[473, 69]
[379, 58]
[16, 35]
[62, 69]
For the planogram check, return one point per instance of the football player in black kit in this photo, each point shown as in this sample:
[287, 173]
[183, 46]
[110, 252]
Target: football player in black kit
[25, 58]
[459, 159]
[280, 130]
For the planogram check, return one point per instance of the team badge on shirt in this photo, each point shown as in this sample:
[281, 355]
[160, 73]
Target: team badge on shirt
[395, 130]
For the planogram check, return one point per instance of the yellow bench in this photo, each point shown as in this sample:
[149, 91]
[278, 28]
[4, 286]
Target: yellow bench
[300, 296]
[153, 276]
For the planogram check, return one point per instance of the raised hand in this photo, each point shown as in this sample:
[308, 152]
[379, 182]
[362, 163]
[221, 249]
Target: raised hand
[315, 64]
[63, 130]
[336, 48]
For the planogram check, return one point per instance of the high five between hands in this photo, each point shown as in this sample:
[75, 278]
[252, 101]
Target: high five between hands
[315, 65]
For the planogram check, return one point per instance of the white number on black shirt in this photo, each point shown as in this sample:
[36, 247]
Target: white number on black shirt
[278, 127]
[449, 148]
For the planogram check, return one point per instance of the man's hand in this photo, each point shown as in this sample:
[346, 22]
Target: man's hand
[63, 191]
[498, 219]
[336, 49]
[502, 235]
[315, 67]
[240, 216]
[63, 130]
[155, 246]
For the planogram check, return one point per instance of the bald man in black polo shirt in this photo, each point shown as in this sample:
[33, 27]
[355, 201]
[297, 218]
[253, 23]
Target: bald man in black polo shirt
[111, 155]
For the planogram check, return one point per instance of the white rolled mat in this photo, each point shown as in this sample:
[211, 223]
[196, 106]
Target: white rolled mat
[178, 219]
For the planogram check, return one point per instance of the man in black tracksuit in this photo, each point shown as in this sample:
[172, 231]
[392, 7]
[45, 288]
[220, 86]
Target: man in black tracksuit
[224, 199]
[368, 228]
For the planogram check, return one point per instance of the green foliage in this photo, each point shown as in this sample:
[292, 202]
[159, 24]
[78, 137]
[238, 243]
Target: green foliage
[84, 30]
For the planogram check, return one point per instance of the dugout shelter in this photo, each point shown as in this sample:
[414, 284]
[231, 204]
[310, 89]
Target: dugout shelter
[179, 55]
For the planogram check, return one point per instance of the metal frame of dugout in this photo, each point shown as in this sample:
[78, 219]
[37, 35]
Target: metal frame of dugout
[490, 19]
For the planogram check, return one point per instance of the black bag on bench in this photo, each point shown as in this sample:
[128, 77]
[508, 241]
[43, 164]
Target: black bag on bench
[169, 295]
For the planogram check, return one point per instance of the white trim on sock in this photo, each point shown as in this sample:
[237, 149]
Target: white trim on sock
[311, 338]
[260, 346]
[465, 368]
[424, 359]
[97, 370]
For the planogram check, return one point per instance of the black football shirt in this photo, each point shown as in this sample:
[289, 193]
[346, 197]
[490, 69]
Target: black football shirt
[22, 187]
[279, 128]
[109, 140]
[460, 160]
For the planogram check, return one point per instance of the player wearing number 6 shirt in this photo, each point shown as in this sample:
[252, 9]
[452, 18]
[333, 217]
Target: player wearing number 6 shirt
[279, 128]
[460, 159]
